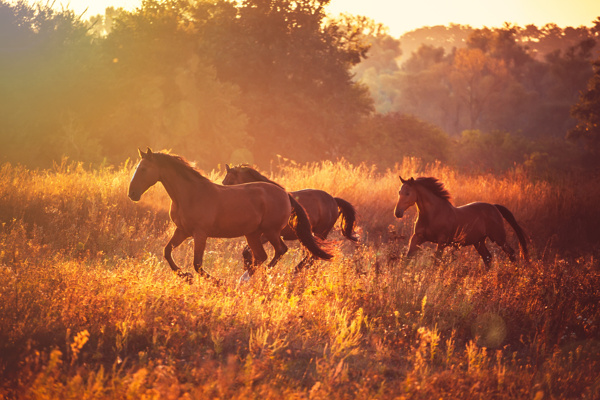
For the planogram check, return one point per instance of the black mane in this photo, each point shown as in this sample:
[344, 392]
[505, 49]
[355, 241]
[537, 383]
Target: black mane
[179, 164]
[255, 174]
[434, 186]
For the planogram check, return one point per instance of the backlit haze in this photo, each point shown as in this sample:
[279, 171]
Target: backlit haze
[401, 16]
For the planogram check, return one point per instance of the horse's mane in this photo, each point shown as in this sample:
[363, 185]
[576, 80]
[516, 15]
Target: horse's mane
[179, 164]
[434, 186]
[255, 174]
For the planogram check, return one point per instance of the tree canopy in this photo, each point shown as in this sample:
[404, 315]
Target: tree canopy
[223, 81]
[587, 113]
[226, 81]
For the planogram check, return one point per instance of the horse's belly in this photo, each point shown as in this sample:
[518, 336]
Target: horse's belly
[234, 228]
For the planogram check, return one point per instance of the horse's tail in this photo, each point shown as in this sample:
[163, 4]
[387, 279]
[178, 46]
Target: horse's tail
[348, 214]
[300, 223]
[510, 218]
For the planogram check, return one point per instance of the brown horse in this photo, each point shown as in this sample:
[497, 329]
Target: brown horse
[202, 209]
[440, 222]
[323, 209]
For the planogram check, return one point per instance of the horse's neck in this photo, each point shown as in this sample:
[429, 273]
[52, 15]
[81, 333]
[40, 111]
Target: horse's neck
[428, 203]
[262, 178]
[178, 186]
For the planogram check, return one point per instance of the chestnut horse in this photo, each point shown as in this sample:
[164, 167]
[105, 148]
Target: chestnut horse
[439, 222]
[201, 209]
[323, 209]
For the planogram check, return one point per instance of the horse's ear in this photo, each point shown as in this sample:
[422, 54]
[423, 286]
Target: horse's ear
[147, 154]
[411, 180]
[401, 180]
[227, 167]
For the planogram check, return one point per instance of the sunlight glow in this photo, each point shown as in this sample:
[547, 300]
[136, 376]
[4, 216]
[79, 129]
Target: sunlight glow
[402, 16]
[90, 8]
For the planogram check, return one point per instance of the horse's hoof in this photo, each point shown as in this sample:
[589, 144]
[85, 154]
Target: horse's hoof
[245, 278]
[186, 276]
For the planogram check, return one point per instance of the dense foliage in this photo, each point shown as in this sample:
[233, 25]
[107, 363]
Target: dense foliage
[230, 82]
[249, 80]
[511, 78]
[587, 111]
[513, 81]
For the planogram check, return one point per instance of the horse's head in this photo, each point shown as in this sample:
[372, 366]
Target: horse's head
[236, 175]
[407, 197]
[146, 175]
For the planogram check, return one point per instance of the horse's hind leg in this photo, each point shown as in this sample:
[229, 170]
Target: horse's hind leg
[247, 255]
[279, 246]
[309, 259]
[306, 262]
[258, 252]
[484, 253]
[500, 240]
[510, 251]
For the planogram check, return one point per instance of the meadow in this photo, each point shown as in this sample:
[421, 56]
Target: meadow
[90, 310]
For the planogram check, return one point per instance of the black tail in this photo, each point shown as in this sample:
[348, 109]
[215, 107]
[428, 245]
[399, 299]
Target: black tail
[300, 223]
[348, 214]
[510, 218]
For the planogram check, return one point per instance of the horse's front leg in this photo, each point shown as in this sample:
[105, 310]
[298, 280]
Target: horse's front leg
[178, 237]
[415, 241]
[199, 246]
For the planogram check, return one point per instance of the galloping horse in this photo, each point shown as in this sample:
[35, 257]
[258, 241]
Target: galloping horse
[323, 209]
[440, 222]
[202, 209]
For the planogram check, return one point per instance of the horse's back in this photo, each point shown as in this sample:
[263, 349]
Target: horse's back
[258, 194]
[321, 207]
[479, 207]
[479, 210]
[483, 218]
[250, 207]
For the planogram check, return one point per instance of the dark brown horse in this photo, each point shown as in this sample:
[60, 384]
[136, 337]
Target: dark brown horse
[323, 209]
[201, 209]
[440, 222]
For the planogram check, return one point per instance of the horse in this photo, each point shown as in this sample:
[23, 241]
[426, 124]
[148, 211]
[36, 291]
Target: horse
[201, 209]
[322, 208]
[439, 222]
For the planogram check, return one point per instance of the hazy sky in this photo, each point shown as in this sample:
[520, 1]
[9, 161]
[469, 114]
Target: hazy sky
[403, 15]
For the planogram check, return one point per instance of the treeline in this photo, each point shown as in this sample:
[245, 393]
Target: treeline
[504, 95]
[222, 81]
[214, 80]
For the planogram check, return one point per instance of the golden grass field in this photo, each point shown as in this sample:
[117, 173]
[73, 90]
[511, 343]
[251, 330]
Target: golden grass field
[89, 309]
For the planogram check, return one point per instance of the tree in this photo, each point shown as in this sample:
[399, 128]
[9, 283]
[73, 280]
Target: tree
[385, 139]
[47, 70]
[293, 70]
[166, 95]
[587, 113]
[475, 78]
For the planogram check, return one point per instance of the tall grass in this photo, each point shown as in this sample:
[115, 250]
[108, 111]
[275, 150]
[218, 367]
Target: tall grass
[89, 309]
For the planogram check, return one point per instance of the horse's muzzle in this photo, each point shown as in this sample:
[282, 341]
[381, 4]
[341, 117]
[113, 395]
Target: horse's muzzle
[135, 196]
[398, 213]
